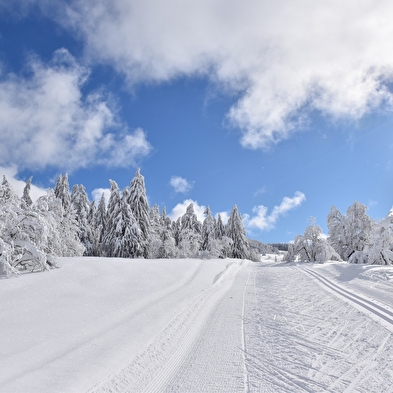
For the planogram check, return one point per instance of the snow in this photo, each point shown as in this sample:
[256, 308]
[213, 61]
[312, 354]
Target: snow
[121, 325]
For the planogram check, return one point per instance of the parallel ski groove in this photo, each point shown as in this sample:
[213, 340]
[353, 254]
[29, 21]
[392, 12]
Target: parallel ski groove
[380, 313]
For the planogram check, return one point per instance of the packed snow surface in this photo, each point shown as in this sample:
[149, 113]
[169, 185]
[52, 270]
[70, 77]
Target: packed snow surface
[120, 325]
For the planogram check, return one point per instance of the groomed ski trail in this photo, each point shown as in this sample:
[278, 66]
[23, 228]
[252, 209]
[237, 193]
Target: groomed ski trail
[380, 313]
[200, 350]
[303, 338]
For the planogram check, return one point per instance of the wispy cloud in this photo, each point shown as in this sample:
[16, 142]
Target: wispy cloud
[181, 185]
[262, 220]
[46, 120]
[283, 59]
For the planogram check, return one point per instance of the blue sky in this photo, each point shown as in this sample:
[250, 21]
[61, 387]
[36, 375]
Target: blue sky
[283, 109]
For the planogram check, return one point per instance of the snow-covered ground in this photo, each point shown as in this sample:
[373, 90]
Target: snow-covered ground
[118, 325]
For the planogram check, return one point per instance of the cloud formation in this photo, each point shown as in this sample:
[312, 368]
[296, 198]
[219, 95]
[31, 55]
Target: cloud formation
[18, 185]
[263, 221]
[46, 120]
[180, 185]
[283, 59]
[180, 209]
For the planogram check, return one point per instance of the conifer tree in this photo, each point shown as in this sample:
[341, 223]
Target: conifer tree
[190, 233]
[100, 222]
[62, 191]
[235, 230]
[26, 199]
[208, 231]
[140, 208]
[220, 228]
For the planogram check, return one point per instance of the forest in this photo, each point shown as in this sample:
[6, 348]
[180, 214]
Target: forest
[65, 223]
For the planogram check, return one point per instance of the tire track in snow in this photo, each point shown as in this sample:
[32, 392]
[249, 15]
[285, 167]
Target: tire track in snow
[379, 313]
[151, 370]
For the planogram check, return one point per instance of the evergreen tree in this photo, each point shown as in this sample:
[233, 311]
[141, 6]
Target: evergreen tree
[168, 242]
[100, 222]
[26, 199]
[155, 241]
[140, 208]
[208, 231]
[235, 231]
[220, 228]
[190, 234]
[122, 235]
[62, 191]
[81, 206]
[109, 233]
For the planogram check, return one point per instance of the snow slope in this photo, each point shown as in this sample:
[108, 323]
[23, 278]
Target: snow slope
[116, 325]
[64, 330]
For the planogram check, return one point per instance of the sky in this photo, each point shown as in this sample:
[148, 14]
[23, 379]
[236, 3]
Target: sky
[282, 108]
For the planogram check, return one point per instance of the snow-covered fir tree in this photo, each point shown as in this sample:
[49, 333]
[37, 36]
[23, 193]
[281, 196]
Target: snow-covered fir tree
[220, 228]
[211, 246]
[62, 191]
[140, 208]
[81, 205]
[235, 231]
[154, 243]
[32, 236]
[100, 218]
[168, 242]
[26, 198]
[190, 238]
[122, 235]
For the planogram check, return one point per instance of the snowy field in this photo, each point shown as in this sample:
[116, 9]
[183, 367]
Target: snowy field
[118, 325]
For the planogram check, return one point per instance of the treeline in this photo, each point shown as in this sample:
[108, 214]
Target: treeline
[64, 223]
[354, 237]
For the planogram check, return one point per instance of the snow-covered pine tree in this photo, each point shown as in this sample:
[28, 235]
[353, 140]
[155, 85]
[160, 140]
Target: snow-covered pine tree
[235, 231]
[61, 228]
[190, 234]
[26, 198]
[168, 242]
[210, 245]
[122, 235]
[81, 205]
[109, 233]
[99, 222]
[128, 234]
[140, 208]
[154, 243]
[220, 228]
[28, 238]
[62, 191]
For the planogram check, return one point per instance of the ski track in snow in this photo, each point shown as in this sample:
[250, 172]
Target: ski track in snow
[200, 350]
[256, 327]
[302, 339]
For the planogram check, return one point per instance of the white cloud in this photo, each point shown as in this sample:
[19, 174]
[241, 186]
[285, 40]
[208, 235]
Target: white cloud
[284, 59]
[180, 184]
[45, 120]
[18, 185]
[264, 221]
[224, 217]
[180, 209]
[97, 194]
